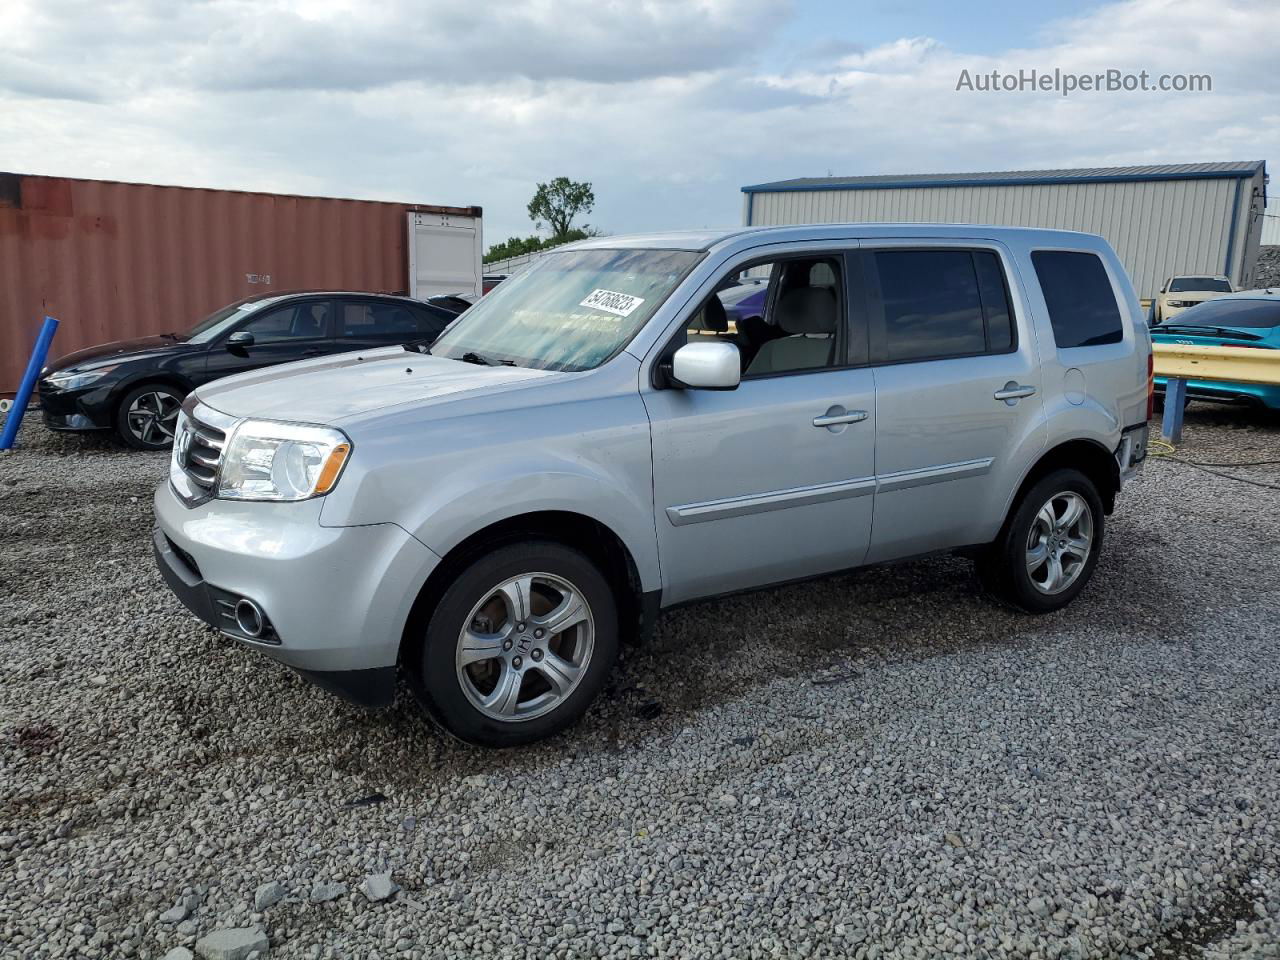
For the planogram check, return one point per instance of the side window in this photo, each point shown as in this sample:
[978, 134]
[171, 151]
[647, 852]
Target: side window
[942, 303]
[389, 320]
[431, 321]
[1082, 305]
[783, 316]
[296, 321]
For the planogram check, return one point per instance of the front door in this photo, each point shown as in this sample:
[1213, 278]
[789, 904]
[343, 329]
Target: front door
[296, 330]
[772, 481]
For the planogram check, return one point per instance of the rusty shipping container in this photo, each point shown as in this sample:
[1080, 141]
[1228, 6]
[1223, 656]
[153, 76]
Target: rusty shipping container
[118, 260]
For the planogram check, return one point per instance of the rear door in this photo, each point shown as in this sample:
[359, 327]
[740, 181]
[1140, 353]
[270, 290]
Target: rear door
[959, 412]
[294, 330]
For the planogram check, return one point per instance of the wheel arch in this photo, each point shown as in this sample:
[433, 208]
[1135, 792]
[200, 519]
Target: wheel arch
[158, 377]
[1090, 457]
[579, 531]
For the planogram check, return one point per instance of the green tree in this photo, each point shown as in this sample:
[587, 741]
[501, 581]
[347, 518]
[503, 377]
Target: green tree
[558, 202]
[513, 247]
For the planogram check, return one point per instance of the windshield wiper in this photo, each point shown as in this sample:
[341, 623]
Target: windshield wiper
[472, 357]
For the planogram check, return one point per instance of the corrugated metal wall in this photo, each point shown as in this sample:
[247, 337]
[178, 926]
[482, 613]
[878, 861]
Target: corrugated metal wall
[1271, 223]
[118, 260]
[1158, 228]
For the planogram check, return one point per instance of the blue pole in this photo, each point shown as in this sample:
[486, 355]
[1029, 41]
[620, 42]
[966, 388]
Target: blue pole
[1175, 398]
[34, 366]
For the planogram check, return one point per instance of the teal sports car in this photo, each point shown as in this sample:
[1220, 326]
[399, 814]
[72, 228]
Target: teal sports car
[1250, 318]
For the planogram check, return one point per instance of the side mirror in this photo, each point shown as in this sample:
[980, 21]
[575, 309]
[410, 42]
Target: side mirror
[241, 338]
[707, 366]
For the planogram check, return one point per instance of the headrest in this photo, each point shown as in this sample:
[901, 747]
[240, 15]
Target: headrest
[807, 310]
[714, 318]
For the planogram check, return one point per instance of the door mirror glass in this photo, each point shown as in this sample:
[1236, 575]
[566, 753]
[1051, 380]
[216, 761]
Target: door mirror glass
[707, 366]
[241, 338]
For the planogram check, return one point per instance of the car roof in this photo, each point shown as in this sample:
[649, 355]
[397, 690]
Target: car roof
[753, 236]
[1199, 276]
[276, 296]
[1262, 293]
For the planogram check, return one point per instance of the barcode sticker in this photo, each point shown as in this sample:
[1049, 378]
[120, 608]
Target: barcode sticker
[619, 304]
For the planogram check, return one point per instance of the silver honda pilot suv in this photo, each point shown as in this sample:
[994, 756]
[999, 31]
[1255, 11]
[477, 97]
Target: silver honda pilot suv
[638, 422]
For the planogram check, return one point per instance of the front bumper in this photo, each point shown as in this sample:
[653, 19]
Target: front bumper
[337, 598]
[86, 409]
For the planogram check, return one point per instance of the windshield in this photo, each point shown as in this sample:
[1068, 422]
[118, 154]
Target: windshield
[215, 323]
[1188, 284]
[569, 311]
[1230, 313]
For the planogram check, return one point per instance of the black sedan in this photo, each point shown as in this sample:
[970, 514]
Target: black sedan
[136, 387]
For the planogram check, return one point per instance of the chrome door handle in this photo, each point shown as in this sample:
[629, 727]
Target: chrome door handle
[1013, 391]
[835, 419]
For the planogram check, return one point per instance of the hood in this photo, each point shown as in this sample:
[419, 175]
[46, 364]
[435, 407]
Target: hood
[119, 350]
[331, 389]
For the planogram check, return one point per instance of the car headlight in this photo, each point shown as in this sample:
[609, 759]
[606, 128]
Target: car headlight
[1181, 303]
[75, 379]
[281, 461]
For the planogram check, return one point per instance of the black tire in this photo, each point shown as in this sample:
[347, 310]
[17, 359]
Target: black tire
[438, 682]
[1003, 566]
[156, 435]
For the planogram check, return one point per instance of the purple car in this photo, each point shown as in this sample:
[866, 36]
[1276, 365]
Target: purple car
[746, 299]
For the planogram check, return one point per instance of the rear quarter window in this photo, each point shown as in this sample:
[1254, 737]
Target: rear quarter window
[1082, 305]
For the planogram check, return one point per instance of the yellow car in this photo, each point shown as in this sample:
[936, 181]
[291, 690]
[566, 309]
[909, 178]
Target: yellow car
[1178, 293]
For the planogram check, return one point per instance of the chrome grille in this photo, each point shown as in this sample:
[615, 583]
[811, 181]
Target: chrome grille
[204, 453]
[197, 451]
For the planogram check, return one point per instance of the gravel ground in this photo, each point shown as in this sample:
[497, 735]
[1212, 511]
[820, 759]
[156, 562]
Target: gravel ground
[1268, 273]
[878, 764]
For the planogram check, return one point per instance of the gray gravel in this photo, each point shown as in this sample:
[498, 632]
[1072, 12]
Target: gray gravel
[876, 765]
[1268, 271]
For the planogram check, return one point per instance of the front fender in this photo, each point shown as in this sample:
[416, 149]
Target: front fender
[445, 472]
[466, 505]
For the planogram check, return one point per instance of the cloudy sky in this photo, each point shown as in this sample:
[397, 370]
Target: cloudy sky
[667, 106]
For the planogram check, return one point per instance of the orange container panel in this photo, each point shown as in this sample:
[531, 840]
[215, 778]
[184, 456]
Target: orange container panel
[118, 260]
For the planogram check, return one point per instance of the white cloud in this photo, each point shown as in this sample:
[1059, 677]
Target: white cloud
[664, 106]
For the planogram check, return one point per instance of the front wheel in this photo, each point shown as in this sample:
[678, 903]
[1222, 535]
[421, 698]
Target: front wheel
[148, 416]
[519, 645]
[1049, 547]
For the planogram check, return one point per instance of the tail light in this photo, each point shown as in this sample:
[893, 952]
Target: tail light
[1151, 384]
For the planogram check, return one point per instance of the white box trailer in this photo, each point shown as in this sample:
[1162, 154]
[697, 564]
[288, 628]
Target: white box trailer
[446, 252]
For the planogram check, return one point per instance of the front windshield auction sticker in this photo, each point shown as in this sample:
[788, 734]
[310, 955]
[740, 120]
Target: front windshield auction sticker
[619, 304]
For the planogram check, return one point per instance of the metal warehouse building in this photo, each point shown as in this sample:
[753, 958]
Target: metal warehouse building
[1186, 218]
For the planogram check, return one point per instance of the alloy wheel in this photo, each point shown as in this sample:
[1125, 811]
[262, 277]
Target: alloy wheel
[525, 647]
[1059, 542]
[153, 417]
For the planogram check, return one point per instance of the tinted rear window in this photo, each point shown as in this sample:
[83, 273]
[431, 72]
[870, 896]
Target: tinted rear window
[1082, 305]
[943, 303]
[1231, 313]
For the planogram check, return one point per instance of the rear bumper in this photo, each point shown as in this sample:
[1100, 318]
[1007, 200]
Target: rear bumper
[1218, 392]
[1131, 455]
[336, 598]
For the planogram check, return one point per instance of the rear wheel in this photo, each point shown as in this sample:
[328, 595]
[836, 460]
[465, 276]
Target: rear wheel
[148, 416]
[519, 645]
[1049, 547]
